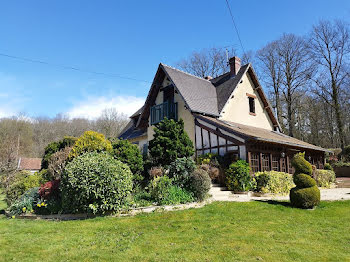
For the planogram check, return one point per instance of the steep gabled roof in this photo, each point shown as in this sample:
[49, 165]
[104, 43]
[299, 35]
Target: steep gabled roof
[199, 94]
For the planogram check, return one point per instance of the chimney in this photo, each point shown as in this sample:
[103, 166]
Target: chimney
[235, 65]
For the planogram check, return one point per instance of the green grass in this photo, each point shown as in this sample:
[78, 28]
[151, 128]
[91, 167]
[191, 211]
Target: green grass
[251, 231]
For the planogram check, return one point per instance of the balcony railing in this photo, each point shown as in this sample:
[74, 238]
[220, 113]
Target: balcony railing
[166, 109]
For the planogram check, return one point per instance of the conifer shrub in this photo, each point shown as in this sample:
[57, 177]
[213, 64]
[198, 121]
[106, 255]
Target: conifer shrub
[306, 193]
[129, 154]
[90, 141]
[169, 143]
[200, 183]
[95, 182]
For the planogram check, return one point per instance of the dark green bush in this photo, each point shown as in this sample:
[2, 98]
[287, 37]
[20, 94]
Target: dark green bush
[180, 171]
[300, 165]
[238, 176]
[54, 147]
[90, 141]
[308, 197]
[129, 154]
[200, 183]
[169, 143]
[306, 194]
[302, 181]
[95, 182]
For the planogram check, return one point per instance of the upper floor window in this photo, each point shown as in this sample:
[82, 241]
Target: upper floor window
[251, 105]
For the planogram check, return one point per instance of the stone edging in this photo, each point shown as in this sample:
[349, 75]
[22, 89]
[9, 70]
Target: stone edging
[131, 212]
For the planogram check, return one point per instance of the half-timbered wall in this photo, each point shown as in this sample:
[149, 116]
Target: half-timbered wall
[210, 139]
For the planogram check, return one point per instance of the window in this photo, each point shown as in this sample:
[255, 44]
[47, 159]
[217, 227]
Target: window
[265, 160]
[283, 165]
[254, 162]
[275, 162]
[251, 105]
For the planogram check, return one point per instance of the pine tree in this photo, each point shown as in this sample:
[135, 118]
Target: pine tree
[170, 142]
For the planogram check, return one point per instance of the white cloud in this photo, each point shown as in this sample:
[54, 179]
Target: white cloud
[92, 107]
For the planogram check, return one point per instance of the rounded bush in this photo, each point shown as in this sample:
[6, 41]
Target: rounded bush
[95, 182]
[180, 171]
[300, 165]
[303, 181]
[200, 183]
[238, 176]
[305, 197]
[90, 141]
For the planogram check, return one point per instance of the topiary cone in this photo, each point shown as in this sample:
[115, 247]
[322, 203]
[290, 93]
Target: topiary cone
[306, 193]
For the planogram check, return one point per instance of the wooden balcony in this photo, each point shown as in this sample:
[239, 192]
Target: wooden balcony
[166, 109]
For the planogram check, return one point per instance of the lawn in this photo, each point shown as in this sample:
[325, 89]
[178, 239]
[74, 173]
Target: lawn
[221, 231]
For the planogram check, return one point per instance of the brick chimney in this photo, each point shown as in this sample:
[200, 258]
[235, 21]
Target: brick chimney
[235, 65]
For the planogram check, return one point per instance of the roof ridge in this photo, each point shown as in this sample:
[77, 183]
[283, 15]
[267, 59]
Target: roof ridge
[185, 72]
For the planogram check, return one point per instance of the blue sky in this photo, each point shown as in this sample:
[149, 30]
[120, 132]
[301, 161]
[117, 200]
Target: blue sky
[128, 38]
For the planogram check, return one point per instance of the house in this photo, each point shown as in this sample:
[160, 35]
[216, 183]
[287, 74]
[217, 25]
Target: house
[228, 114]
[29, 164]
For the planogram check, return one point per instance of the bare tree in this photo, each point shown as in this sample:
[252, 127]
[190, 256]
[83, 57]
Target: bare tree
[111, 123]
[207, 62]
[329, 47]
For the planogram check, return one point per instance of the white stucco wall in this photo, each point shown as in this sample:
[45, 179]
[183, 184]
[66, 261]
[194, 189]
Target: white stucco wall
[237, 108]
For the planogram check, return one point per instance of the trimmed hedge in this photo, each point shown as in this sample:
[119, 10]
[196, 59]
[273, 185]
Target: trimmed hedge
[273, 182]
[200, 183]
[302, 181]
[308, 197]
[95, 182]
[300, 165]
[324, 178]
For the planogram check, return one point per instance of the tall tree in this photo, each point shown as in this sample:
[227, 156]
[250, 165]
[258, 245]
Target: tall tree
[329, 47]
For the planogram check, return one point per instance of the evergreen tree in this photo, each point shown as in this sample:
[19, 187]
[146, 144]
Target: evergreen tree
[170, 142]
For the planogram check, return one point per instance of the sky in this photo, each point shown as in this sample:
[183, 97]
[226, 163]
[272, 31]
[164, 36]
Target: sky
[127, 39]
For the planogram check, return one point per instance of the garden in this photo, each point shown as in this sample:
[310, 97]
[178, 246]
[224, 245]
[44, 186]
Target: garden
[95, 175]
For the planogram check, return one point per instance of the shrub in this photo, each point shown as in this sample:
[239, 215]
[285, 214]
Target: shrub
[95, 182]
[21, 182]
[50, 190]
[328, 166]
[165, 193]
[301, 165]
[26, 202]
[156, 171]
[129, 154]
[90, 141]
[302, 181]
[52, 148]
[57, 162]
[200, 183]
[170, 142]
[341, 164]
[346, 153]
[273, 182]
[324, 178]
[308, 197]
[180, 171]
[305, 194]
[211, 163]
[237, 176]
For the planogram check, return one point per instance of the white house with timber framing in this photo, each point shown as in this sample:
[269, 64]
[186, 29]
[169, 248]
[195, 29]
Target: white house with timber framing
[229, 114]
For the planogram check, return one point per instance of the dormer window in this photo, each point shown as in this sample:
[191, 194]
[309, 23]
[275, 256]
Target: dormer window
[251, 99]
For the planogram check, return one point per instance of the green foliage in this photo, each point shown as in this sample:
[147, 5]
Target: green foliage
[341, 164]
[324, 178]
[129, 154]
[200, 183]
[238, 176]
[90, 141]
[207, 159]
[180, 171]
[300, 165]
[303, 181]
[26, 202]
[20, 183]
[308, 197]
[273, 182]
[54, 147]
[95, 182]
[346, 153]
[165, 193]
[306, 193]
[328, 166]
[170, 142]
